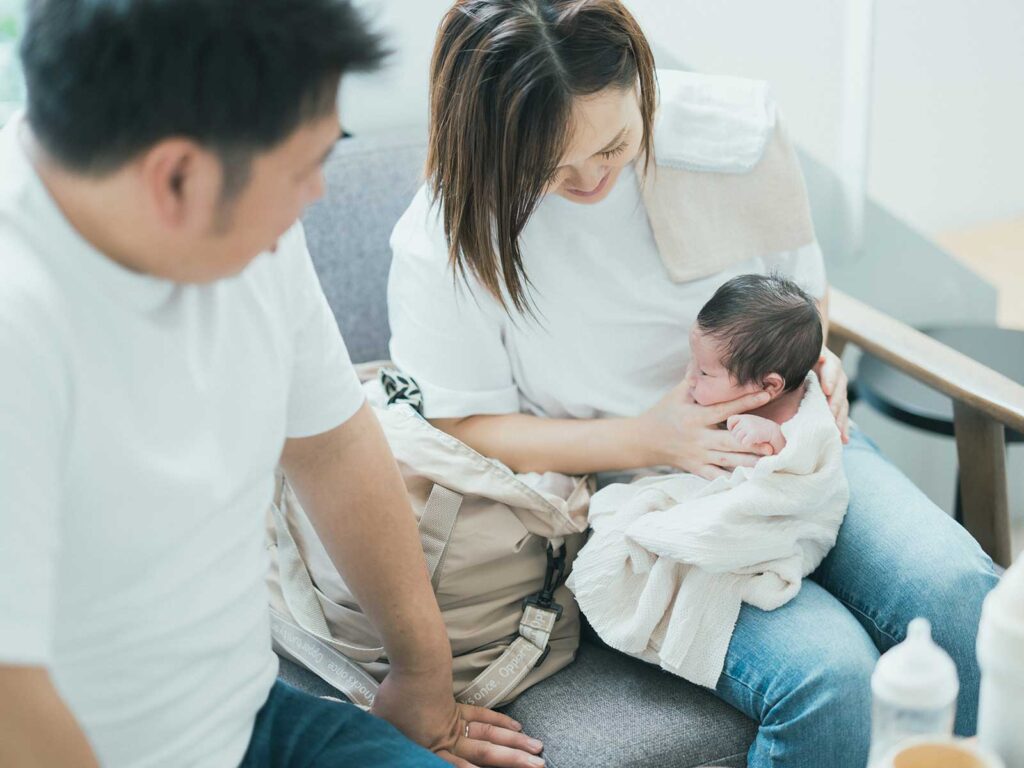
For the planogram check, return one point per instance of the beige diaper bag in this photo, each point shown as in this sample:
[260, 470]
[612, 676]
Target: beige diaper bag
[497, 546]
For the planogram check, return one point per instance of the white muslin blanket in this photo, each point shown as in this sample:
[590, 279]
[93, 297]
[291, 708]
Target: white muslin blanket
[672, 557]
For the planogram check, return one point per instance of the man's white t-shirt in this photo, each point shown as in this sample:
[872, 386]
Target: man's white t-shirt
[612, 330]
[140, 424]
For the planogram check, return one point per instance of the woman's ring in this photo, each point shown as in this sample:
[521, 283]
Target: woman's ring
[465, 732]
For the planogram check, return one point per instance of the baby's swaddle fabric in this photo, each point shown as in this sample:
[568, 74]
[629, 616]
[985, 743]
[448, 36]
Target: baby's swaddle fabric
[671, 558]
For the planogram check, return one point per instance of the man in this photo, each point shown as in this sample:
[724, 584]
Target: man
[164, 342]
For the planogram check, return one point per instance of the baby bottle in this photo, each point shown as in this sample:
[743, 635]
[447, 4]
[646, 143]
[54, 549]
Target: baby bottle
[1001, 656]
[914, 689]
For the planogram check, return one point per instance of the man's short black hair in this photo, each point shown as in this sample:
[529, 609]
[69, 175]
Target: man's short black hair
[765, 324]
[109, 78]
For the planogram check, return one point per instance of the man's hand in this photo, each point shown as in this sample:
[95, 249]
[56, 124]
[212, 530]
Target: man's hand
[491, 739]
[756, 433]
[352, 491]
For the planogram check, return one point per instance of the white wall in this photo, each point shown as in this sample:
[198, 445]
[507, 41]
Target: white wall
[948, 83]
[949, 111]
[948, 90]
[396, 97]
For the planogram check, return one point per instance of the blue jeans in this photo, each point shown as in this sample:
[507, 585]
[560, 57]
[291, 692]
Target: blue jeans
[297, 730]
[803, 671]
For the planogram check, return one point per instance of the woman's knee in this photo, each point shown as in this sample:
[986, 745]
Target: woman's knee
[836, 686]
[953, 606]
[824, 716]
[809, 652]
[803, 671]
[898, 555]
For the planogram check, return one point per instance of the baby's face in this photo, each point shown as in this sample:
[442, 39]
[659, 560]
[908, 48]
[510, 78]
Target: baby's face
[710, 382]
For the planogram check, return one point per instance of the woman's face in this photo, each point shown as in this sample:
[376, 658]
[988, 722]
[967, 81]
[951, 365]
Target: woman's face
[605, 136]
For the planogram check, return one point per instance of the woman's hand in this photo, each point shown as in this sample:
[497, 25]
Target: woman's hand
[464, 736]
[682, 434]
[834, 385]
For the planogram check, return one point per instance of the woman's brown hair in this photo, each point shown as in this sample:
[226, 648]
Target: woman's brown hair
[503, 78]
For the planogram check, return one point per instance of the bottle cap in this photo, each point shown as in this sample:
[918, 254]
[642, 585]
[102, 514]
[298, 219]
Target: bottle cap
[917, 673]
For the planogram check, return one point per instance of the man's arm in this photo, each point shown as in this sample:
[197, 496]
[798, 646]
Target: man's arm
[350, 487]
[37, 730]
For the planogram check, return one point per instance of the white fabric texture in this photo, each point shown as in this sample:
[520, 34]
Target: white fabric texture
[140, 425]
[672, 558]
[712, 122]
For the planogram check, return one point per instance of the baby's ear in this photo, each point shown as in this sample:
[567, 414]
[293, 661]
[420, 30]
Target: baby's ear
[773, 384]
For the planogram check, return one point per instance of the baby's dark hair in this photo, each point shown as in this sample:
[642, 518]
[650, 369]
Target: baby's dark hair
[765, 324]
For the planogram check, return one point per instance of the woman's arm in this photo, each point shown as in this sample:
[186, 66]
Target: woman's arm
[534, 444]
[676, 432]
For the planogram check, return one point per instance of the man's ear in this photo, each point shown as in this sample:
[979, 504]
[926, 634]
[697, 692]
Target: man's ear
[182, 182]
[773, 384]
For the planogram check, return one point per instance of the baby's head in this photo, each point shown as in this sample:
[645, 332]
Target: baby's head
[757, 333]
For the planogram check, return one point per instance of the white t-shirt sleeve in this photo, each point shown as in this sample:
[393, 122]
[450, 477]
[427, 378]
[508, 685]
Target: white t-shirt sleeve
[324, 390]
[805, 266]
[448, 337]
[34, 406]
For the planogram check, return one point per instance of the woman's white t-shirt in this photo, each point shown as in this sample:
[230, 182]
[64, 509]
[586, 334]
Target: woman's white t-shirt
[611, 336]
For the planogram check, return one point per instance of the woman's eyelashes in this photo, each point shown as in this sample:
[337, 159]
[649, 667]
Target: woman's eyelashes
[609, 154]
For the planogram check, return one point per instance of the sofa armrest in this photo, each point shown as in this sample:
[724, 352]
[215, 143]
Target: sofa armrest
[984, 403]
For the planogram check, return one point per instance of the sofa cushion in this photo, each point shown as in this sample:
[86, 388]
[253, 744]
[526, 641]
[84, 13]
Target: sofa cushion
[608, 709]
[370, 182]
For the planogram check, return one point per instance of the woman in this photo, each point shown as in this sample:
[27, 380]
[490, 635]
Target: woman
[530, 301]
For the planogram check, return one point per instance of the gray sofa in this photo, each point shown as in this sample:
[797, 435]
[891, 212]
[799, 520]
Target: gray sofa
[606, 709]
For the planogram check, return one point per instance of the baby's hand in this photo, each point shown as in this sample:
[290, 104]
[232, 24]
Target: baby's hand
[756, 432]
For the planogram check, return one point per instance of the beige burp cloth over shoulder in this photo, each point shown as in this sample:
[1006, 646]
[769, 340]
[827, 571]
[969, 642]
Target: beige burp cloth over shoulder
[726, 185]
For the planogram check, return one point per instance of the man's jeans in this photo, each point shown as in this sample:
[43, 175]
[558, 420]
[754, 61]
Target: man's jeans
[803, 671]
[297, 730]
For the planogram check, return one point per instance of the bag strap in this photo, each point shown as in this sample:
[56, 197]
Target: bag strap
[309, 641]
[300, 594]
[526, 652]
[323, 660]
[436, 525]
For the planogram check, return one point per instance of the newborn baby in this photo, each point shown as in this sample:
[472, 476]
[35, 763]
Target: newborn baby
[757, 333]
[673, 557]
